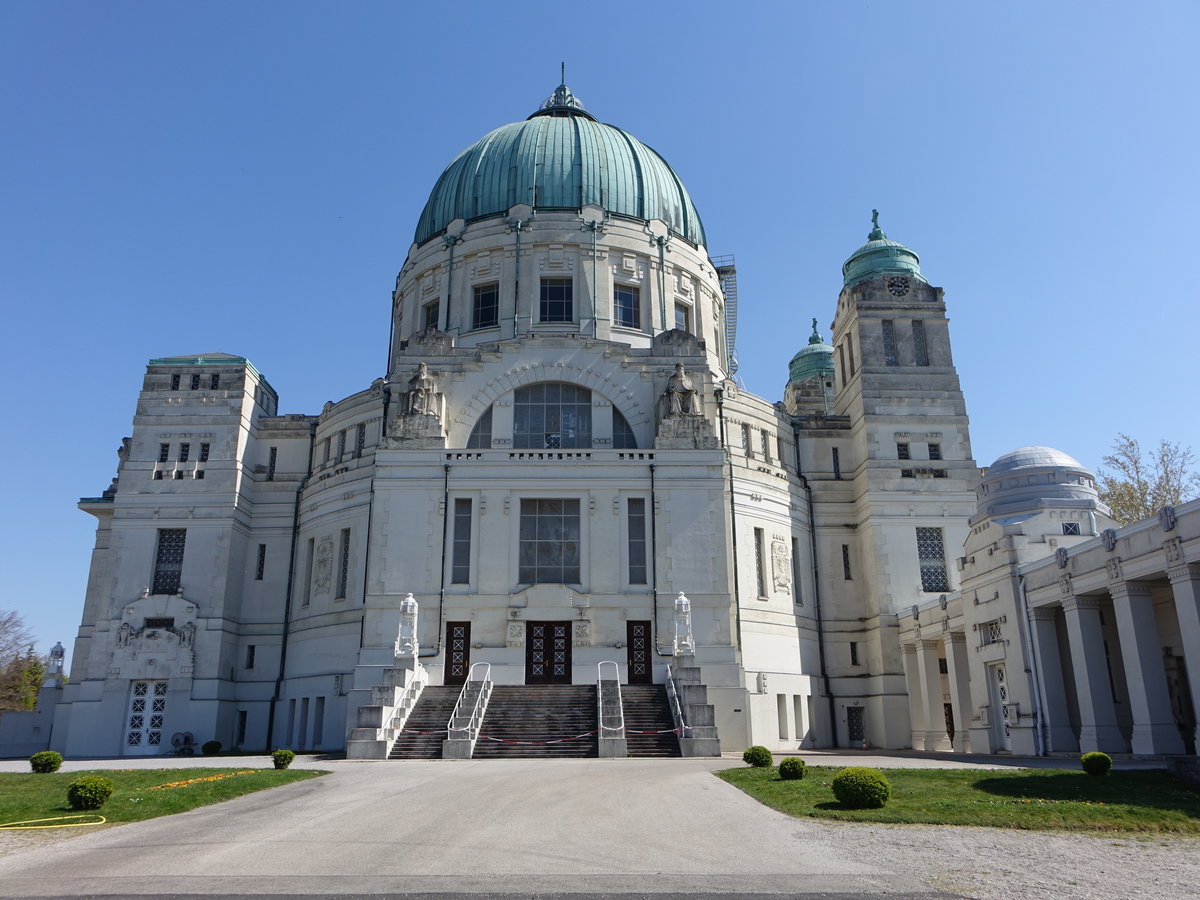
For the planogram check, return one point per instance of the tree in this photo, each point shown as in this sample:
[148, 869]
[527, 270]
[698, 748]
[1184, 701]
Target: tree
[21, 669]
[1136, 484]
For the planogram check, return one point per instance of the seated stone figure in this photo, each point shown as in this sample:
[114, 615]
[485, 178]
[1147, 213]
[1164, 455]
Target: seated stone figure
[681, 392]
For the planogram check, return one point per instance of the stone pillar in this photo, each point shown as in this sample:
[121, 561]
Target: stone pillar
[1154, 728]
[916, 697]
[1057, 730]
[960, 688]
[1185, 583]
[1098, 716]
[928, 653]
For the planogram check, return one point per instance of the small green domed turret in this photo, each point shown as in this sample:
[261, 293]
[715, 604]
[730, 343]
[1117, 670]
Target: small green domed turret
[815, 359]
[878, 256]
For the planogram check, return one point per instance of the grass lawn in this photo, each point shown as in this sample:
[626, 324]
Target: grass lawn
[1150, 802]
[136, 792]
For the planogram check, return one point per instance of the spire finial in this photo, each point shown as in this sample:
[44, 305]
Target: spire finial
[563, 68]
[876, 232]
[815, 337]
[874, 218]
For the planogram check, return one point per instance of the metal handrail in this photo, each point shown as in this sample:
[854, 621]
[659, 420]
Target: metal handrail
[471, 731]
[676, 708]
[609, 730]
[403, 709]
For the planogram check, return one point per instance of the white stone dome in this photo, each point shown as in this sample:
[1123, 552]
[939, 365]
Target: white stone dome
[1029, 479]
[1024, 457]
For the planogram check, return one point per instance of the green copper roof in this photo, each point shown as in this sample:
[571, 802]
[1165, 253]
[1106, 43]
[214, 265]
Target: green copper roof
[560, 158]
[813, 360]
[879, 255]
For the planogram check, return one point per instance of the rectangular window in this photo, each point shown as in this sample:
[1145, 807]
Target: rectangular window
[195, 383]
[250, 648]
[779, 451]
[920, 350]
[158, 475]
[328, 447]
[168, 560]
[164, 452]
[760, 562]
[797, 595]
[204, 452]
[627, 306]
[178, 475]
[549, 542]
[214, 382]
[343, 564]
[460, 560]
[1070, 528]
[185, 450]
[932, 558]
[430, 316]
[943, 668]
[175, 382]
[903, 451]
[889, 343]
[766, 445]
[306, 589]
[341, 445]
[360, 439]
[781, 713]
[990, 632]
[199, 474]
[846, 562]
[485, 306]
[850, 351]
[683, 317]
[842, 364]
[557, 300]
[241, 727]
[261, 565]
[272, 458]
[746, 444]
[935, 451]
[837, 464]
[854, 653]
[637, 540]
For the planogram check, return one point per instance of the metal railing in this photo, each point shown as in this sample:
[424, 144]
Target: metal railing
[470, 731]
[685, 730]
[612, 724]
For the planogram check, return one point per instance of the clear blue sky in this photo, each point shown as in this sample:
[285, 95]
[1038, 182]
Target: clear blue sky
[246, 177]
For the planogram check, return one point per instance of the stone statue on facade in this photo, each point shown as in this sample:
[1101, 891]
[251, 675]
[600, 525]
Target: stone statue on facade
[681, 393]
[685, 645]
[421, 399]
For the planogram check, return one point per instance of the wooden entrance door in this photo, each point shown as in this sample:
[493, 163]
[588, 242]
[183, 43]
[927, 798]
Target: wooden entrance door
[641, 670]
[548, 653]
[458, 652]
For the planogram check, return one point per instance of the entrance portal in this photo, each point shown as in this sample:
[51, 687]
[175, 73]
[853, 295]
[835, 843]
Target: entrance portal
[548, 653]
[638, 653]
[458, 652]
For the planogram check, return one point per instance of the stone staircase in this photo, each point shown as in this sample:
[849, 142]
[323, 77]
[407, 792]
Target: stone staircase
[699, 713]
[426, 726]
[646, 711]
[536, 714]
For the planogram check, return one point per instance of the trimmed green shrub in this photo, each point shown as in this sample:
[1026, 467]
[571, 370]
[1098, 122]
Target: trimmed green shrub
[282, 758]
[858, 787]
[1096, 763]
[89, 791]
[759, 757]
[210, 748]
[792, 769]
[45, 762]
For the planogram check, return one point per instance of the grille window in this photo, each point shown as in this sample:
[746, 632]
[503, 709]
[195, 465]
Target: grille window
[920, 350]
[889, 343]
[932, 558]
[168, 560]
[549, 542]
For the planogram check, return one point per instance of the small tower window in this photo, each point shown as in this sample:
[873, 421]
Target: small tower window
[627, 306]
[846, 562]
[195, 383]
[903, 451]
[837, 464]
[1070, 528]
[889, 343]
[360, 439]
[920, 349]
[746, 445]
[485, 311]
[204, 452]
[164, 452]
[935, 451]
[175, 382]
[272, 457]
[214, 382]
[185, 451]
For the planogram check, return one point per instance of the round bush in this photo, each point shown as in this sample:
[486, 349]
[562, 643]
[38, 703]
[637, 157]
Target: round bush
[89, 791]
[1096, 763]
[210, 748]
[792, 769]
[759, 757]
[45, 762]
[861, 788]
[282, 758]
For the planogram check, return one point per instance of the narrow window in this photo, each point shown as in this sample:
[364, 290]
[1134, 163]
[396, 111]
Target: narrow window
[431, 314]
[903, 451]
[935, 451]
[272, 457]
[168, 560]
[932, 558]
[846, 562]
[195, 383]
[1070, 528]
[204, 452]
[850, 351]
[185, 451]
[214, 382]
[318, 722]
[943, 668]
[766, 445]
[199, 474]
[328, 445]
[241, 727]
[746, 445]
[310, 552]
[837, 464]
[360, 439]
[341, 445]
[481, 434]
[261, 565]
[797, 595]
[175, 382]
[627, 306]
[343, 563]
[779, 451]
[158, 476]
[920, 350]
[549, 542]
[854, 653]
[760, 562]
[637, 540]
[842, 366]
[889, 343]
[683, 317]
[485, 307]
[250, 648]
[557, 300]
[460, 562]
[164, 452]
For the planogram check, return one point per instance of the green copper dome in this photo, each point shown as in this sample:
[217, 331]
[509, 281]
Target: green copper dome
[815, 359]
[560, 158]
[879, 255]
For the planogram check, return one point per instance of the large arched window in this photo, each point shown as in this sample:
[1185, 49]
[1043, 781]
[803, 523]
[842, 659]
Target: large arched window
[552, 416]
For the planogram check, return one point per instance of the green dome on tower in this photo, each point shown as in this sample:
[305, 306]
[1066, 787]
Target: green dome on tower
[878, 256]
[560, 158]
[815, 359]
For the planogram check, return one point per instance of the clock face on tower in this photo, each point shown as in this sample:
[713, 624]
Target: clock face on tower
[898, 286]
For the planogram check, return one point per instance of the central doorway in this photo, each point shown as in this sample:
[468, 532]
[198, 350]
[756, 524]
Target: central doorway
[548, 653]
[638, 654]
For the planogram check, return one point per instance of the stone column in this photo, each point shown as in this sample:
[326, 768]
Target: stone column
[916, 698]
[960, 689]
[1185, 583]
[1057, 730]
[928, 653]
[1098, 716]
[1154, 728]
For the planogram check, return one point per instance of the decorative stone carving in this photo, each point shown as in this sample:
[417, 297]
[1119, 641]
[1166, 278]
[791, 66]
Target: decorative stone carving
[685, 433]
[781, 567]
[407, 646]
[324, 566]
[421, 398]
[581, 633]
[684, 642]
[1060, 557]
[1064, 585]
[1174, 551]
[1110, 539]
[1113, 566]
[515, 635]
[1166, 518]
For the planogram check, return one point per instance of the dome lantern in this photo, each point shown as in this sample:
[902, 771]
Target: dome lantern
[880, 255]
